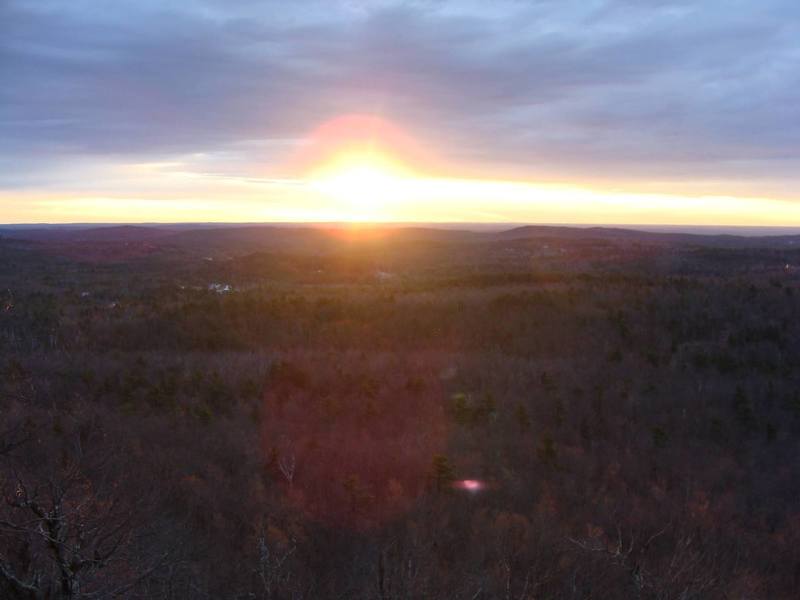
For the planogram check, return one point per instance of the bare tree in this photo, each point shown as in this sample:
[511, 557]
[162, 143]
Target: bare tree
[67, 526]
[287, 460]
[684, 572]
[271, 570]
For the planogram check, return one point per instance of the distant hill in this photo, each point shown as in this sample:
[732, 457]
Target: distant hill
[236, 240]
[634, 235]
[112, 233]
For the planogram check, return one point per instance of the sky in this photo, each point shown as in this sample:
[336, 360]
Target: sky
[538, 111]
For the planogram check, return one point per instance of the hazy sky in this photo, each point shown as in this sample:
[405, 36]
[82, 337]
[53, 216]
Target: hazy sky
[539, 111]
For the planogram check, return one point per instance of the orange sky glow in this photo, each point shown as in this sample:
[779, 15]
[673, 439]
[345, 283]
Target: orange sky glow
[362, 168]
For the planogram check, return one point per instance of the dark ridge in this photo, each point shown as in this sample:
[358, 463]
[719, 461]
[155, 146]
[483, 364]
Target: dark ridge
[114, 233]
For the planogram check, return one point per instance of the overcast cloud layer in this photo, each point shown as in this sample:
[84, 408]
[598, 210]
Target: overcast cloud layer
[594, 89]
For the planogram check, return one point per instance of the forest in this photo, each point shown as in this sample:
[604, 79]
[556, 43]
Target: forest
[398, 413]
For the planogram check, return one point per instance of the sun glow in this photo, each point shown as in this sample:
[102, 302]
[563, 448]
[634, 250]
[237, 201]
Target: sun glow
[367, 184]
[374, 187]
[362, 168]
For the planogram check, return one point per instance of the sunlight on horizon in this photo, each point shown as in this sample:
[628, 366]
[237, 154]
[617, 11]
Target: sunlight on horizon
[361, 168]
[366, 194]
[367, 184]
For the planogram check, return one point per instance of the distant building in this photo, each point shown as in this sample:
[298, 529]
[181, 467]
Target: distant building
[220, 288]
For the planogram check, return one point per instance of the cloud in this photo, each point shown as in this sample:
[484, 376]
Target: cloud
[614, 89]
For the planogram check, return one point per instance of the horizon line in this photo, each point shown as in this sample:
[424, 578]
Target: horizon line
[652, 227]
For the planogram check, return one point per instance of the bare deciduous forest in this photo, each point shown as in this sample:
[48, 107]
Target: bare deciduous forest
[289, 413]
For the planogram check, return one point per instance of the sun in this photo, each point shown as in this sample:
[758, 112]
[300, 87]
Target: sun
[365, 184]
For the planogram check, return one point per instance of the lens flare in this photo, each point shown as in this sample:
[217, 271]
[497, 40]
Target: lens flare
[470, 485]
